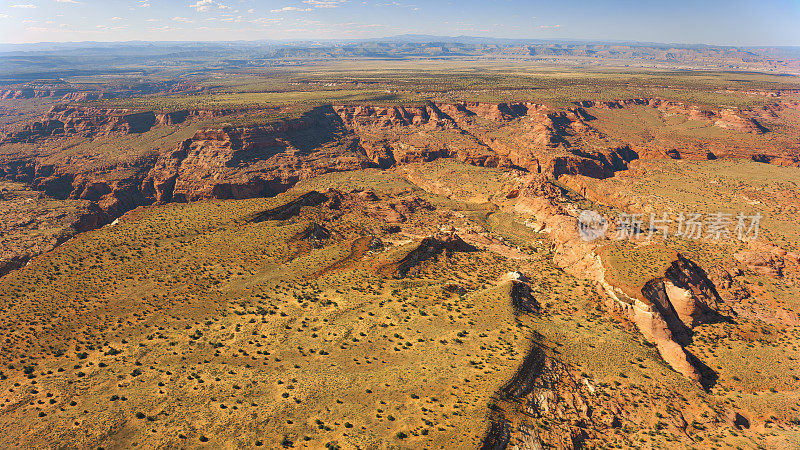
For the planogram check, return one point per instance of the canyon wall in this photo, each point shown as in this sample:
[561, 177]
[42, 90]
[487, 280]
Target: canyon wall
[664, 310]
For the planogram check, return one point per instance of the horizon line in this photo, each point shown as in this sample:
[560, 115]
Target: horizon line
[433, 39]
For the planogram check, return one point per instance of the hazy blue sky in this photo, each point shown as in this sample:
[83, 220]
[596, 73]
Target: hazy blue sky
[739, 22]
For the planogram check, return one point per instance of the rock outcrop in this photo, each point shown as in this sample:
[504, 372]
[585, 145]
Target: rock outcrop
[723, 118]
[33, 224]
[665, 310]
[233, 162]
[429, 116]
[239, 162]
[542, 140]
[293, 208]
[763, 259]
[63, 120]
[63, 92]
[25, 93]
[429, 247]
[596, 164]
[86, 96]
[243, 162]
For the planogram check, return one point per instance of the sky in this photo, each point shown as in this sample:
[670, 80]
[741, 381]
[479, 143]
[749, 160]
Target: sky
[737, 22]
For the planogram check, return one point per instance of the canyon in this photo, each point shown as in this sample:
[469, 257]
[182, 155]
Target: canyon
[237, 162]
[538, 164]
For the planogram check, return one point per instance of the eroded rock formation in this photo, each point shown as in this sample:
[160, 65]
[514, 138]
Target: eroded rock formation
[63, 120]
[665, 310]
[230, 162]
[429, 247]
[723, 118]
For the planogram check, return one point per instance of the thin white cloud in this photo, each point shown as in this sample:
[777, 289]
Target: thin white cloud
[117, 18]
[182, 19]
[166, 28]
[398, 5]
[266, 21]
[325, 3]
[549, 26]
[67, 1]
[208, 5]
[108, 28]
[290, 8]
[24, 6]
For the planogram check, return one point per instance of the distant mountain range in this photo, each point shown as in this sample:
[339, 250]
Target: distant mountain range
[402, 38]
[22, 62]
